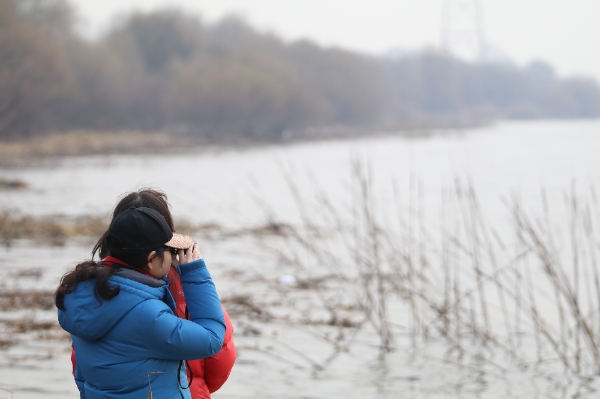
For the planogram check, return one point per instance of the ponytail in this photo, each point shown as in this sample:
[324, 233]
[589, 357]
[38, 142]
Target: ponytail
[86, 271]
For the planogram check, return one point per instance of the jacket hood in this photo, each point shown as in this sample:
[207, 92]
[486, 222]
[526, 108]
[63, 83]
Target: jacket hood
[90, 316]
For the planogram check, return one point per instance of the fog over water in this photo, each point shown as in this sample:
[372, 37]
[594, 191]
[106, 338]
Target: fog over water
[563, 33]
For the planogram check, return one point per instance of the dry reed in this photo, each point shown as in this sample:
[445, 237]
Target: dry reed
[531, 296]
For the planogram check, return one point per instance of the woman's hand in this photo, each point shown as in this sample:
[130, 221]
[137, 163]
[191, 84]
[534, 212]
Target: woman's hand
[189, 255]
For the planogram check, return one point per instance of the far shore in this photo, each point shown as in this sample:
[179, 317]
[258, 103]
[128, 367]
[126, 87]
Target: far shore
[33, 150]
[25, 152]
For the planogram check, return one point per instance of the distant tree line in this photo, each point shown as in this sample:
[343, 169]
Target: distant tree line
[168, 71]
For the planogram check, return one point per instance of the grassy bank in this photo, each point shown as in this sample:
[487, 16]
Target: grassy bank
[50, 229]
[82, 143]
[30, 151]
[56, 229]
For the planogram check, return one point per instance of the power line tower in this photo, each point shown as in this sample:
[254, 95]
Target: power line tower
[462, 30]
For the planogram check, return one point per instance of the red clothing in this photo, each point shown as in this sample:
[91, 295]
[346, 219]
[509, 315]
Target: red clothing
[110, 261]
[211, 373]
[208, 374]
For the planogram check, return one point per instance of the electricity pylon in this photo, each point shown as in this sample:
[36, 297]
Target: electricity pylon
[462, 30]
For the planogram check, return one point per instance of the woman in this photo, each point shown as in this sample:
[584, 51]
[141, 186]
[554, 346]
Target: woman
[127, 340]
[205, 376]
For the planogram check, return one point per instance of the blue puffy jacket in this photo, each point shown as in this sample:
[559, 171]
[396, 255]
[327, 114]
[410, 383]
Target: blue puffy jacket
[118, 342]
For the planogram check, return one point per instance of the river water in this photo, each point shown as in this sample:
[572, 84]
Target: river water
[241, 188]
[223, 185]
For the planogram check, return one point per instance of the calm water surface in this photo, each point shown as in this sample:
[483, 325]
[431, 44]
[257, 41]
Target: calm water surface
[232, 186]
[239, 187]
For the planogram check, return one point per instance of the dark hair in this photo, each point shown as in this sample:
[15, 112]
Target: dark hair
[86, 271]
[96, 270]
[139, 260]
[144, 197]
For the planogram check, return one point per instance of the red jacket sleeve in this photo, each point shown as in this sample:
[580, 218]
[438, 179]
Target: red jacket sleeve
[73, 359]
[218, 367]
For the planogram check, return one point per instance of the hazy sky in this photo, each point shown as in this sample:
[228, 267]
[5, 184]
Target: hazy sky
[566, 33]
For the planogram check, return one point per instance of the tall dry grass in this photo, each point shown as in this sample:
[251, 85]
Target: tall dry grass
[528, 292]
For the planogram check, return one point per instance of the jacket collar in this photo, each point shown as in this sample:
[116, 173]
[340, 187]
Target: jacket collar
[119, 265]
[139, 277]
